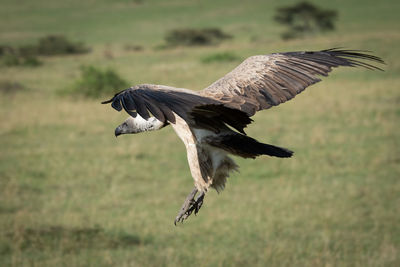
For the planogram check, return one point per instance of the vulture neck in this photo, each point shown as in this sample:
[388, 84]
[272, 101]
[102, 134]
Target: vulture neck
[142, 125]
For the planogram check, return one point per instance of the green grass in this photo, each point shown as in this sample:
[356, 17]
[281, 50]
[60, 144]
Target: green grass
[220, 57]
[71, 194]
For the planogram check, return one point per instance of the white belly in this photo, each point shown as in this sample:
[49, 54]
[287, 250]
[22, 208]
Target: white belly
[209, 166]
[221, 163]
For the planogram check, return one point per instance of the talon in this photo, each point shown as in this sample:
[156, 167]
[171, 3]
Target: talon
[189, 206]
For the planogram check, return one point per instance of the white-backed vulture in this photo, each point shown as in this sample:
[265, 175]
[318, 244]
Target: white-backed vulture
[211, 122]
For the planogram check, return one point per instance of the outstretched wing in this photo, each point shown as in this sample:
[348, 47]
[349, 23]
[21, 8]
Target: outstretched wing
[261, 82]
[163, 102]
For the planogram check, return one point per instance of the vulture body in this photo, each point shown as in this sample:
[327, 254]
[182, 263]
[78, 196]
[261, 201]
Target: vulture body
[211, 122]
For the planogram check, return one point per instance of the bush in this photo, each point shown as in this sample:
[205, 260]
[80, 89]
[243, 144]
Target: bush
[8, 56]
[59, 45]
[133, 47]
[220, 57]
[31, 61]
[4, 49]
[11, 57]
[47, 46]
[190, 37]
[28, 51]
[95, 82]
[304, 18]
[8, 87]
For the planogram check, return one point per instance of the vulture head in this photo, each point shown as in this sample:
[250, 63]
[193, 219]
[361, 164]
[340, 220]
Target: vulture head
[137, 125]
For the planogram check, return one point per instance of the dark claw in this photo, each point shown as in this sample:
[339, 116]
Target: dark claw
[199, 203]
[189, 206]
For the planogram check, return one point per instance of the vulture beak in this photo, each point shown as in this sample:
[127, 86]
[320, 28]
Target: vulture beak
[118, 131]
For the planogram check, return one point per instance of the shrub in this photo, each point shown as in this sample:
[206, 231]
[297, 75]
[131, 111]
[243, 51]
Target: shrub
[28, 51]
[220, 57]
[11, 57]
[4, 49]
[8, 87]
[133, 47]
[59, 45]
[190, 37]
[304, 18]
[47, 46]
[31, 61]
[95, 82]
[8, 56]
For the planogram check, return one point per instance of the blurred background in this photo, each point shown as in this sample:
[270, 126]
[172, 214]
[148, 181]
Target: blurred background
[71, 194]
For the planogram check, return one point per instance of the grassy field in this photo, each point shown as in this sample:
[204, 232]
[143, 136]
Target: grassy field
[71, 194]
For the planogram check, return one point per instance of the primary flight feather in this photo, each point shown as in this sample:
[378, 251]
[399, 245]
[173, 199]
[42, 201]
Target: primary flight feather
[211, 122]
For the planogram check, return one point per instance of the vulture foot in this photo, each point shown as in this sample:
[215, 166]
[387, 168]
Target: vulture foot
[189, 206]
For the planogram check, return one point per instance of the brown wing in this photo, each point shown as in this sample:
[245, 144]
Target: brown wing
[261, 82]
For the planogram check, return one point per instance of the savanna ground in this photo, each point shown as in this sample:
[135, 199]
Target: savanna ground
[71, 194]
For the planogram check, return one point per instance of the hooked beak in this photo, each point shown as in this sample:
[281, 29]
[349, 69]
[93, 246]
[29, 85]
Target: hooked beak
[118, 131]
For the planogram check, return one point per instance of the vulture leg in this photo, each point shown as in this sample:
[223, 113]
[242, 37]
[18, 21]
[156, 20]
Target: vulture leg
[190, 205]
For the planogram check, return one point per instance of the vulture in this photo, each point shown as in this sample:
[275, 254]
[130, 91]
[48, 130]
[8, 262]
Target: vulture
[211, 122]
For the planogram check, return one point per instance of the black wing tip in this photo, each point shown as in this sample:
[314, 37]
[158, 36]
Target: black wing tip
[108, 101]
[351, 55]
[287, 153]
[348, 57]
[356, 52]
[276, 151]
[115, 96]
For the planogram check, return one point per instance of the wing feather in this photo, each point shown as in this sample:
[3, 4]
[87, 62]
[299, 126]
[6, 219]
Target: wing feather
[161, 101]
[261, 82]
[128, 110]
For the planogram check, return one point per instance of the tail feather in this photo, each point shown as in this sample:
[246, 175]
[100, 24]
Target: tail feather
[247, 147]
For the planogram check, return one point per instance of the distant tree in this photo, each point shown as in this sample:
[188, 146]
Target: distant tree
[59, 45]
[191, 37]
[304, 19]
[11, 56]
[50, 45]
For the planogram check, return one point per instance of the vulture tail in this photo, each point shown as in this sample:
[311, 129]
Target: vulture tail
[247, 147]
